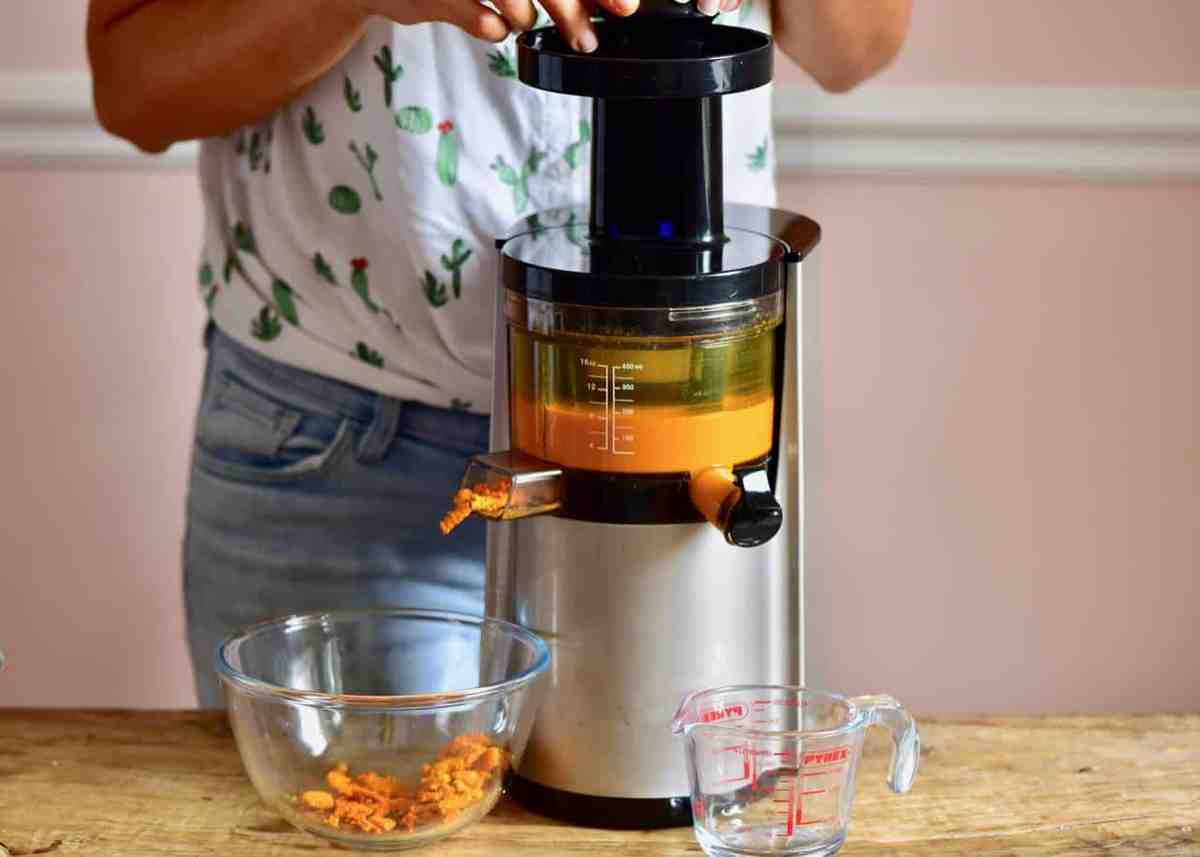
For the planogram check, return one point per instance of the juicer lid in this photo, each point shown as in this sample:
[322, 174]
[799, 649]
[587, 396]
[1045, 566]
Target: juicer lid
[550, 257]
[645, 58]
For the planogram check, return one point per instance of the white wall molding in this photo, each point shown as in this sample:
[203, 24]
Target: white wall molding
[47, 118]
[1095, 134]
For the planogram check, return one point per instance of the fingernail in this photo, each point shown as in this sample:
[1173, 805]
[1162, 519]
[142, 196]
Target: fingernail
[709, 7]
[587, 41]
[729, 5]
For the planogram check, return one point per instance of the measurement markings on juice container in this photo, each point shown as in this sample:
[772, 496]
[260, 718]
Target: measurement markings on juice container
[598, 386]
[624, 387]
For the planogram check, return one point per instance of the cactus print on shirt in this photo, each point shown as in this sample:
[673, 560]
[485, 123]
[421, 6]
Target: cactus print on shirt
[351, 233]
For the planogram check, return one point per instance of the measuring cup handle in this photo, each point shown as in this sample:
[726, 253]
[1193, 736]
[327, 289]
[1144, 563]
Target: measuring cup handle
[906, 742]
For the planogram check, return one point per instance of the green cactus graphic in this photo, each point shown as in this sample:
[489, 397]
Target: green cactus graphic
[367, 355]
[536, 227]
[360, 284]
[323, 269]
[314, 131]
[414, 120]
[243, 238]
[208, 284]
[256, 151]
[367, 157]
[503, 62]
[572, 153]
[458, 256]
[353, 96]
[231, 265]
[449, 143]
[284, 302]
[283, 299]
[757, 160]
[391, 73]
[577, 233]
[519, 180]
[434, 291]
[345, 200]
[265, 325]
[256, 146]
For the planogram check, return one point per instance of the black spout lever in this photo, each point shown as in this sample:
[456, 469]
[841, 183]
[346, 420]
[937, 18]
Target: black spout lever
[741, 506]
[756, 517]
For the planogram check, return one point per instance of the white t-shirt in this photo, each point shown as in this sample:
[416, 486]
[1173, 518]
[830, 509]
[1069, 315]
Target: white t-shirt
[352, 232]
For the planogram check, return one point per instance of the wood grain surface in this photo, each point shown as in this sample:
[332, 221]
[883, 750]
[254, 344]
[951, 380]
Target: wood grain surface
[116, 784]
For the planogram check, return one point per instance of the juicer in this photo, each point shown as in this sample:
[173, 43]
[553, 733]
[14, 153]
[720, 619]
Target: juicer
[653, 357]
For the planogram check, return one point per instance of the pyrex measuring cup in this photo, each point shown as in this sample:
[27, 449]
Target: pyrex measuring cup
[772, 768]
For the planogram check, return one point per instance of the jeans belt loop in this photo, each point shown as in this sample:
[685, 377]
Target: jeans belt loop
[375, 443]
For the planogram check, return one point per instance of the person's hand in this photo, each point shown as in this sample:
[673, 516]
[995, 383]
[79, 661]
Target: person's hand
[573, 17]
[712, 7]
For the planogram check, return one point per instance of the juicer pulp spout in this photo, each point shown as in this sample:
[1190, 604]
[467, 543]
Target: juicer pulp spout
[741, 505]
[504, 486]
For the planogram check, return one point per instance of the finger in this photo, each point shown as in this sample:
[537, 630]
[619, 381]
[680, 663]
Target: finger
[574, 23]
[520, 14]
[730, 5]
[473, 17]
[620, 8]
[709, 7]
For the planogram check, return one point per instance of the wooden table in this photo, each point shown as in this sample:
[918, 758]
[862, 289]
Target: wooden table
[129, 784]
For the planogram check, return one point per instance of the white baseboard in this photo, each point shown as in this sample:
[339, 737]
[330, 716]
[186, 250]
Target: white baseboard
[1093, 134]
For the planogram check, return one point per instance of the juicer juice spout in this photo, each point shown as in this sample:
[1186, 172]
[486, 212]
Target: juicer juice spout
[742, 505]
[505, 486]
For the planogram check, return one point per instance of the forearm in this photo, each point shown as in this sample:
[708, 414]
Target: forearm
[171, 70]
[841, 43]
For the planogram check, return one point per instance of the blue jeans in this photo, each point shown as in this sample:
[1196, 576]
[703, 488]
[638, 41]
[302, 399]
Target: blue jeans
[310, 494]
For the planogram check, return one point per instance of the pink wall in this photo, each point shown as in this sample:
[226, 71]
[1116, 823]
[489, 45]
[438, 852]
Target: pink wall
[43, 34]
[99, 367]
[1012, 470]
[1011, 406]
[1048, 42]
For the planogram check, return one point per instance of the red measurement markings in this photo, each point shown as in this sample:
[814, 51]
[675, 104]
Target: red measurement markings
[795, 808]
[749, 765]
[746, 756]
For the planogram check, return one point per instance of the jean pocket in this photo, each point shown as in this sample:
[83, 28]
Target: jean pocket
[249, 435]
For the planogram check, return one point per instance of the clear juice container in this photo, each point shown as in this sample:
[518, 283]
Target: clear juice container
[649, 391]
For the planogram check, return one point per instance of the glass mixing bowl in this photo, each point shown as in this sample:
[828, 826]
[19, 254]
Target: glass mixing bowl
[382, 729]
